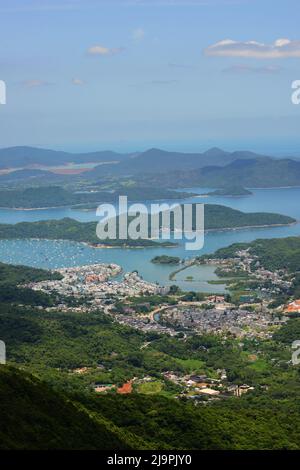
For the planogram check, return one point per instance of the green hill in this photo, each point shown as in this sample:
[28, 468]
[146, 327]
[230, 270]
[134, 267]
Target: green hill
[233, 191]
[13, 275]
[262, 172]
[33, 416]
[274, 253]
[66, 229]
[57, 196]
[71, 416]
[216, 217]
[219, 217]
[251, 172]
[15, 157]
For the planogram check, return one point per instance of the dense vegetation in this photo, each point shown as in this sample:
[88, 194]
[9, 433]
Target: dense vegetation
[164, 259]
[66, 229]
[243, 424]
[11, 277]
[216, 217]
[235, 190]
[214, 168]
[56, 196]
[52, 343]
[62, 410]
[16, 157]
[275, 253]
[65, 413]
[249, 172]
[33, 416]
[253, 173]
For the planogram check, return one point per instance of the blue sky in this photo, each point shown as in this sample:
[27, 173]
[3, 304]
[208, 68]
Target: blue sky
[128, 75]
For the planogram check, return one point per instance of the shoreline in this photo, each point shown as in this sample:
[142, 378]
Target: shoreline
[90, 244]
[195, 195]
[154, 246]
[225, 195]
[247, 227]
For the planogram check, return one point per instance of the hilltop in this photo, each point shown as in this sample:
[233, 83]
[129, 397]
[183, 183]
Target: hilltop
[151, 168]
[23, 156]
[263, 172]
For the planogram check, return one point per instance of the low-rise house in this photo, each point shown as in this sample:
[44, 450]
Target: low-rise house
[209, 392]
[293, 307]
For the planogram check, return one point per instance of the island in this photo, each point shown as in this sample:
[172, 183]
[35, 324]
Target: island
[42, 197]
[164, 259]
[230, 191]
[72, 230]
[217, 217]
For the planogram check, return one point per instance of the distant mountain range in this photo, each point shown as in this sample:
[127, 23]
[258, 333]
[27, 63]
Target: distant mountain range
[150, 161]
[161, 161]
[263, 172]
[19, 157]
[154, 167]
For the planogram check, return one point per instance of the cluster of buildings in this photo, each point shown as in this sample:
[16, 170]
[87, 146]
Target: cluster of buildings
[196, 387]
[125, 389]
[94, 283]
[244, 262]
[220, 320]
[95, 286]
[144, 323]
[193, 386]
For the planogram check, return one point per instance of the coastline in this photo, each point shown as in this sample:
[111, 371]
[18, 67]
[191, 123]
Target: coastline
[195, 195]
[92, 245]
[247, 227]
[154, 246]
[225, 195]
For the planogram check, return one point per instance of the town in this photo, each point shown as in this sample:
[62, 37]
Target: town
[107, 288]
[131, 301]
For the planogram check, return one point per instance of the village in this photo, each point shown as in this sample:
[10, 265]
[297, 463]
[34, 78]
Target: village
[246, 264]
[95, 285]
[196, 387]
[105, 286]
[223, 320]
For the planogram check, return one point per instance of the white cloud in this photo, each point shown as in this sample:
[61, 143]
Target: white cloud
[35, 83]
[248, 69]
[104, 51]
[78, 81]
[281, 48]
[138, 34]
